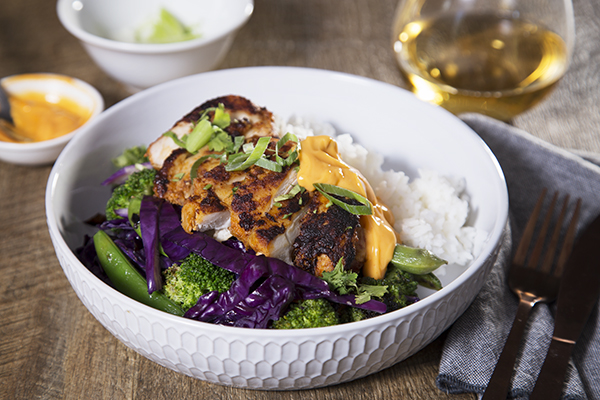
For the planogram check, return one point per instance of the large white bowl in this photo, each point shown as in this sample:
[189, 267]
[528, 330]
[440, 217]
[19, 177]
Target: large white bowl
[410, 133]
[98, 25]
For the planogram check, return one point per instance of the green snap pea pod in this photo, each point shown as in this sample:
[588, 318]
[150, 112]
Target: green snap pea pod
[126, 278]
[416, 261]
[430, 281]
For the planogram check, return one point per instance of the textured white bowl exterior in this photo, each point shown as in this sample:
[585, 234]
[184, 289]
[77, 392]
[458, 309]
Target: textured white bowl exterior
[271, 359]
[140, 66]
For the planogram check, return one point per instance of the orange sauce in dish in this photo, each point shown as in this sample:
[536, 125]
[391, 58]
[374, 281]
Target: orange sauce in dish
[40, 116]
[320, 162]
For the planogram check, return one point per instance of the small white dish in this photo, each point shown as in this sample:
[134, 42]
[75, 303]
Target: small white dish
[98, 25]
[53, 85]
[409, 133]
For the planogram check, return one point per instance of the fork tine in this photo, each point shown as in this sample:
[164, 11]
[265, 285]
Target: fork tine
[568, 242]
[551, 251]
[539, 245]
[521, 252]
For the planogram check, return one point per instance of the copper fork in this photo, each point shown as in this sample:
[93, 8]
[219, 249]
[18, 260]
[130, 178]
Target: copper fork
[532, 284]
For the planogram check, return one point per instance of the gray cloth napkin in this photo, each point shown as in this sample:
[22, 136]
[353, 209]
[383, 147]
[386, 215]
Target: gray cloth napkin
[475, 341]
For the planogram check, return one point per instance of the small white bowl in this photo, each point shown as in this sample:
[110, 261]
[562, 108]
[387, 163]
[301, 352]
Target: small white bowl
[45, 152]
[410, 134]
[141, 65]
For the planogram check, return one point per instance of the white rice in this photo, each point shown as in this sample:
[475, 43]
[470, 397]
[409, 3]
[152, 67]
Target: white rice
[431, 211]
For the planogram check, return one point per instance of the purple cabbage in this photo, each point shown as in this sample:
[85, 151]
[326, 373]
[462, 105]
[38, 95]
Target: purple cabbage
[243, 307]
[263, 305]
[121, 175]
[127, 239]
[149, 217]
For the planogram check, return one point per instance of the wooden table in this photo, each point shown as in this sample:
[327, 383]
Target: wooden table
[50, 345]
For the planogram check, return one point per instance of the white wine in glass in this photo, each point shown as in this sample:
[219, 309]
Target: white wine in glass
[497, 58]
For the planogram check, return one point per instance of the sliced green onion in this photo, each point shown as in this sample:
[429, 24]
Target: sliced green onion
[199, 136]
[177, 177]
[329, 191]
[291, 194]
[248, 148]
[292, 156]
[208, 186]
[268, 164]
[175, 138]
[198, 162]
[257, 152]
[238, 141]
[221, 118]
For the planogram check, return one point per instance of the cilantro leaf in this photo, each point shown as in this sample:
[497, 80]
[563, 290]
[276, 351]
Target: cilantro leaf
[340, 280]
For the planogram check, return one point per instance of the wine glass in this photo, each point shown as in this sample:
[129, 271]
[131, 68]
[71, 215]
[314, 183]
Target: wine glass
[495, 57]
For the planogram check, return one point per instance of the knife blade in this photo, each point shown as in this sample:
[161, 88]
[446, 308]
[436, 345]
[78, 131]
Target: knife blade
[578, 293]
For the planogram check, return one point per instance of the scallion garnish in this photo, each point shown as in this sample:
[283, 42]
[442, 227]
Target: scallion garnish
[198, 162]
[206, 132]
[240, 163]
[330, 191]
[268, 164]
[292, 156]
[175, 138]
[177, 177]
[199, 136]
[291, 194]
[221, 118]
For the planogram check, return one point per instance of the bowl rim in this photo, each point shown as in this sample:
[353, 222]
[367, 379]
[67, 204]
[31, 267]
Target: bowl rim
[63, 9]
[91, 90]
[496, 236]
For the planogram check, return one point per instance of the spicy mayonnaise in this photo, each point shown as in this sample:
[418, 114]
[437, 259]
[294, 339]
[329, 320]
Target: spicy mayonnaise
[39, 117]
[320, 162]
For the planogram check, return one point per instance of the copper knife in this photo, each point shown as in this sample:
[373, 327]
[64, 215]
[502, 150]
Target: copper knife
[578, 293]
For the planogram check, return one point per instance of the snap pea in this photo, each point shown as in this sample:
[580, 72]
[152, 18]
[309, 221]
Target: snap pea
[429, 281]
[416, 261]
[126, 279]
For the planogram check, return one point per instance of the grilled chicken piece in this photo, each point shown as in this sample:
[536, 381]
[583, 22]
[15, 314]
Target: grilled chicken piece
[247, 119]
[242, 201]
[327, 234]
[206, 200]
[255, 218]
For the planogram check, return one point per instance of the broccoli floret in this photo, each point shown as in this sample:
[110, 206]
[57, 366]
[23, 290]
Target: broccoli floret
[401, 287]
[352, 314]
[133, 155]
[137, 185]
[308, 314]
[194, 277]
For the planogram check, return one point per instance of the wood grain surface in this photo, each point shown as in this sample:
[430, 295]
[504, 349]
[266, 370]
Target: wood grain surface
[50, 345]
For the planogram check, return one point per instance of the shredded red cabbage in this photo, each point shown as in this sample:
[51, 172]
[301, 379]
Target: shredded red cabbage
[263, 305]
[121, 175]
[149, 217]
